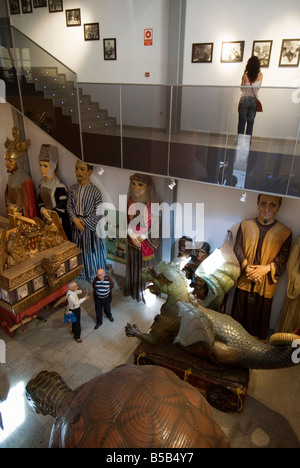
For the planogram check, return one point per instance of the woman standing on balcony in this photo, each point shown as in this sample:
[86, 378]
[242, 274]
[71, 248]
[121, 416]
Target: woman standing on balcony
[252, 80]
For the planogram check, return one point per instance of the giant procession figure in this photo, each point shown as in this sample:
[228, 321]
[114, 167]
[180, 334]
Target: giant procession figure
[84, 209]
[262, 248]
[20, 193]
[290, 321]
[52, 192]
[143, 233]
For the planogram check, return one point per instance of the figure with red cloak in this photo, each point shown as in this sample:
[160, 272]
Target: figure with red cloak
[143, 234]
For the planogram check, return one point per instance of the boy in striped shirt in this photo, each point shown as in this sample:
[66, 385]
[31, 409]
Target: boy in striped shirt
[102, 286]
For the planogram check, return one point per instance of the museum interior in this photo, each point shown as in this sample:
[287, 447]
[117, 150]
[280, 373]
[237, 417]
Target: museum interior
[133, 146]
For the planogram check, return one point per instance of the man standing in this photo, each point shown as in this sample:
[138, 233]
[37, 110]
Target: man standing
[74, 304]
[102, 286]
[262, 248]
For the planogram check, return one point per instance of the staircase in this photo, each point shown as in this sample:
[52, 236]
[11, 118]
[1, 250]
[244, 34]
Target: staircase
[63, 94]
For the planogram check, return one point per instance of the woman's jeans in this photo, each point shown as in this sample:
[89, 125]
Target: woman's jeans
[247, 113]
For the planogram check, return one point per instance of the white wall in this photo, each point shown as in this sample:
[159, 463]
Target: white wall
[124, 20]
[218, 22]
[238, 21]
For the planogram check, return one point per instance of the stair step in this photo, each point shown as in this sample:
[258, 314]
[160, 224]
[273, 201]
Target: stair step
[88, 108]
[65, 101]
[45, 71]
[94, 116]
[61, 79]
[95, 126]
[60, 93]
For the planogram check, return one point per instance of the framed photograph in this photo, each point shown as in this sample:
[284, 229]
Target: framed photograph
[202, 53]
[110, 49]
[91, 32]
[73, 17]
[232, 52]
[14, 7]
[55, 6]
[262, 50]
[26, 6]
[39, 3]
[290, 52]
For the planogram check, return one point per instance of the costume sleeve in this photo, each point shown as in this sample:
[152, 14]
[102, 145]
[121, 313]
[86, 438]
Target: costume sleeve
[71, 204]
[238, 249]
[94, 204]
[280, 261]
[61, 197]
[40, 202]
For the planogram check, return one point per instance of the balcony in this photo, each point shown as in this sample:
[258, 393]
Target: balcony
[181, 132]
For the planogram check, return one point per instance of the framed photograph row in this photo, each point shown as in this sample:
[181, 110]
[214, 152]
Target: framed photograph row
[73, 18]
[233, 52]
[26, 5]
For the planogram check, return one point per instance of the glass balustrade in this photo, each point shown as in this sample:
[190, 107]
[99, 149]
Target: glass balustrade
[181, 132]
[49, 92]
[191, 132]
[8, 72]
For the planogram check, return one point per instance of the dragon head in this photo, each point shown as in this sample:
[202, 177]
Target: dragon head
[166, 278]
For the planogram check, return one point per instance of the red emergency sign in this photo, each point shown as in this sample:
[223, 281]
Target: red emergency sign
[148, 37]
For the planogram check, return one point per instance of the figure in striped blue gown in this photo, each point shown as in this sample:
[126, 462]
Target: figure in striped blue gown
[83, 201]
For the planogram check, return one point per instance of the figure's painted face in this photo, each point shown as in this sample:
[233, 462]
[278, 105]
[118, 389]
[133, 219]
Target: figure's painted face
[11, 165]
[201, 254]
[138, 188]
[45, 168]
[268, 207]
[82, 173]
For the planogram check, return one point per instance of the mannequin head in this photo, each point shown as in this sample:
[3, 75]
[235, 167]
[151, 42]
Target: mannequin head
[83, 172]
[14, 154]
[48, 160]
[11, 166]
[202, 251]
[268, 206]
[140, 185]
[184, 246]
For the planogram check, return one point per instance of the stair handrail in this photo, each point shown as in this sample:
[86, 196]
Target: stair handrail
[59, 62]
[45, 51]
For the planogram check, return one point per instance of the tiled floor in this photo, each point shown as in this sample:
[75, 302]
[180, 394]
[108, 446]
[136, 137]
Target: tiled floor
[270, 418]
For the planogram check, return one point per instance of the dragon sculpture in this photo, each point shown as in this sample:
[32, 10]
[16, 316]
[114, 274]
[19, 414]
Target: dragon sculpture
[205, 332]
